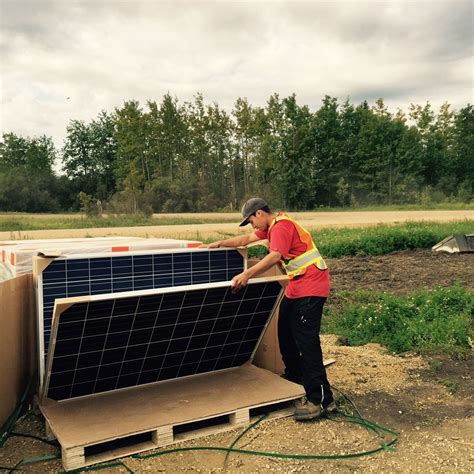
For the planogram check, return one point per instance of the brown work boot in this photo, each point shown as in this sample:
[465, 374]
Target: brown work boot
[330, 408]
[306, 410]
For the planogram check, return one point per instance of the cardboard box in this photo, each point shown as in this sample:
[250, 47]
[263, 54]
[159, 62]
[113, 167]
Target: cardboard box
[17, 341]
[16, 257]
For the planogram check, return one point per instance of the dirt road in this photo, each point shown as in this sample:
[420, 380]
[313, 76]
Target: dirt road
[310, 220]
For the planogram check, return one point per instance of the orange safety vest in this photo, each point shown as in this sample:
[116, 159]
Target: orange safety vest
[297, 265]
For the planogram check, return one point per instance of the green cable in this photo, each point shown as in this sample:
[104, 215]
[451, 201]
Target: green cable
[35, 459]
[240, 436]
[98, 467]
[373, 427]
[9, 468]
[370, 426]
[12, 419]
[379, 430]
[38, 459]
[54, 443]
[345, 397]
[31, 460]
[268, 454]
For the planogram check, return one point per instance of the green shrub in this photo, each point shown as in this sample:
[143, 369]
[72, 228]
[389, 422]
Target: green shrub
[89, 205]
[428, 321]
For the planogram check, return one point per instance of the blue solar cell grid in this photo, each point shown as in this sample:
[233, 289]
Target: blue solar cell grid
[117, 343]
[101, 275]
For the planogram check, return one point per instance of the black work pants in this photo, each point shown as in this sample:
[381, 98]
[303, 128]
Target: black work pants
[298, 333]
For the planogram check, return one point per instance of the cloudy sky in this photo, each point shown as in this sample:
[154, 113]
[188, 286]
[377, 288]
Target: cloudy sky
[70, 59]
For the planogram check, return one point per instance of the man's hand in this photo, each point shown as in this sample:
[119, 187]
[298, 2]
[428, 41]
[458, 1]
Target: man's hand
[240, 281]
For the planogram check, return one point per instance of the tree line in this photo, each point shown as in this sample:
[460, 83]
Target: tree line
[193, 156]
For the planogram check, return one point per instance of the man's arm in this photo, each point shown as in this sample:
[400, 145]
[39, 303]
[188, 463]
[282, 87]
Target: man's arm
[238, 241]
[240, 280]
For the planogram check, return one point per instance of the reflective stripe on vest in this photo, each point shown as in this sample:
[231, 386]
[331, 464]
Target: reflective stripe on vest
[298, 265]
[303, 261]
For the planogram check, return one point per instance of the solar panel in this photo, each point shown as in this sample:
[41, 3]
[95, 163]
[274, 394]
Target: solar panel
[111, 273]
[109, 342]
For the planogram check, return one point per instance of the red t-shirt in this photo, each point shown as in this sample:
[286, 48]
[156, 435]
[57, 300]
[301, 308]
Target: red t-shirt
[285, 240]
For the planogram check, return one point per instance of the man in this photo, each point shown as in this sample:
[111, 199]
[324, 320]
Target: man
[302, 306]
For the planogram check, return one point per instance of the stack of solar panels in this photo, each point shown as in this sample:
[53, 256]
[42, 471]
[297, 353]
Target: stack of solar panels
[16, 257]
[108, 322]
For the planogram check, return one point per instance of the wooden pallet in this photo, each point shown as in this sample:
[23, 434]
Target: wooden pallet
[105, 427]
[82, 456]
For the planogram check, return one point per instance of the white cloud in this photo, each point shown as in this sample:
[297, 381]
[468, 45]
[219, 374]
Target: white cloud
[66, 60]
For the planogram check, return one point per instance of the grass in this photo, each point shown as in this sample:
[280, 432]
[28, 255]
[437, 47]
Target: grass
[452, 386]
[440, 206]
[433, 321]
[380, 239]
[435, 365]
[15, 223]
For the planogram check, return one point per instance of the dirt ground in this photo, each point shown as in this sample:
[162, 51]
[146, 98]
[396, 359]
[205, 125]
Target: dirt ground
[427, 400]
[225, 229]
[402, 272]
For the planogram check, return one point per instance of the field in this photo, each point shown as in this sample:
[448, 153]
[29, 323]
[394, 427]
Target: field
[426, 396]
[204, 226]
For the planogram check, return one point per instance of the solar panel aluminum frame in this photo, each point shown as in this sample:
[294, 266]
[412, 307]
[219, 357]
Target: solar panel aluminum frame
[62, 304]
[40, 263]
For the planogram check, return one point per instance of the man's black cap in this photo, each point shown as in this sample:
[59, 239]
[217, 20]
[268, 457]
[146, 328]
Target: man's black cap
[251, 207]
